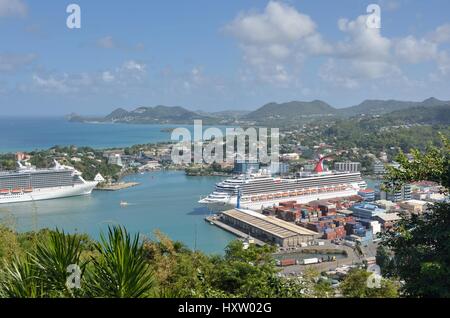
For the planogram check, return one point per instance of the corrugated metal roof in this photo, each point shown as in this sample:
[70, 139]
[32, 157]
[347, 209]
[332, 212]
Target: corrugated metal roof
[271, 225]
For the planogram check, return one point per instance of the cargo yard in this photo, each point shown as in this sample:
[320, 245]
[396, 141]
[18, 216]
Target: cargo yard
[324, 234]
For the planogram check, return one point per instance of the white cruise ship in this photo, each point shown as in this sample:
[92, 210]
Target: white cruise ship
[31, 184]
[261, 190]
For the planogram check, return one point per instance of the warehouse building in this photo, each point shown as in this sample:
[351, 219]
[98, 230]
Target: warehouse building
[268, 229]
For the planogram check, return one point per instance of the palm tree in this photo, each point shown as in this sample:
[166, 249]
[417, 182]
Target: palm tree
[121, 269]
[53, 259]
[43, 273]
[20, 279]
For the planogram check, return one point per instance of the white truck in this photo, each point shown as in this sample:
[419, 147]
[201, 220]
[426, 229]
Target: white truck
[308, 261]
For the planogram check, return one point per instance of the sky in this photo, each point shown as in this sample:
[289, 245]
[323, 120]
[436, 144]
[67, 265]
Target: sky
[217, 55]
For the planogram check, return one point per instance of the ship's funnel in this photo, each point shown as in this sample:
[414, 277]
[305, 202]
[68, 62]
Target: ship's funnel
[319, 165]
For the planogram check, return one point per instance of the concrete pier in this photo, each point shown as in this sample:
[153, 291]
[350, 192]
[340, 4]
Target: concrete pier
[232, 230]
[117, 186]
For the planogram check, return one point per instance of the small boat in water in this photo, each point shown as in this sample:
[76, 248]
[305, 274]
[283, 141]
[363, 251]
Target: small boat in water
[123, 203]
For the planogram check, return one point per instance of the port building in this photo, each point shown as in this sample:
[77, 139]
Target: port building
[267, 228]
[347, 166]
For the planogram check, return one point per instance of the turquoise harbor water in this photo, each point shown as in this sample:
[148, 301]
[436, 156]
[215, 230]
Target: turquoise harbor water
[26, 134]
[165, 200]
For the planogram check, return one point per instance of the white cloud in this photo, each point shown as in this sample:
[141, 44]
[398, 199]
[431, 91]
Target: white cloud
[365, 55]
[130, 73]
[441, 34]
[330, 72]
[109, 42]
[412, 50]
[279, 23]
[13, 8]
[275, 41]
[107, 77]
[428, 48]
[134, 66]
[363, 43]
[443, 62]
[389, 5]
[51, 83]
[106, 42]
[13, 62]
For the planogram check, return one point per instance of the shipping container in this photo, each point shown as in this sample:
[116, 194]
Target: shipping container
[288, 262]
[308, 261]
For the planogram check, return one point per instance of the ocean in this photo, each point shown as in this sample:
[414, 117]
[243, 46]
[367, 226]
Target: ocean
[27, 134]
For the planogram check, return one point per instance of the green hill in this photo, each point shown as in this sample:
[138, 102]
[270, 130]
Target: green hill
[380, 107]
[291, 111]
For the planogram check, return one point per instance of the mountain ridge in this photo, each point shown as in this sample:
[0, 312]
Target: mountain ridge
[276, 113]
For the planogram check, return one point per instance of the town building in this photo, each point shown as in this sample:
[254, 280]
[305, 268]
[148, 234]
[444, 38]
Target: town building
[278, 168]
[347, 166]
[387, 205]
[290, 156]
[366, 210]
[368, 195]
[387, 220]
[115, 159]
[22, 156]
[379, 168]
[244, 167]
[414, 206]
[395, 196]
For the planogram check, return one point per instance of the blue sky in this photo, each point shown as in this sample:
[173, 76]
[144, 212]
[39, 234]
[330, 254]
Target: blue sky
[211, 55]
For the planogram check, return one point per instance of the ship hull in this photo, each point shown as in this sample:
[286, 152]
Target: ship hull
[49, 193]
[219, 206]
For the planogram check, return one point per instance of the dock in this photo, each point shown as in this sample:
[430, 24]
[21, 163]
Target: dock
[117, 186]
[232, 230]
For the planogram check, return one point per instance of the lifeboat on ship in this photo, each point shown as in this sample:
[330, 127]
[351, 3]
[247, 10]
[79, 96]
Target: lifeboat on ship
[263, 198]
[254, 199]
[28, 190]
[285, 194]
[278, 195]
[270, 197]
[16, 191]
[4, 191]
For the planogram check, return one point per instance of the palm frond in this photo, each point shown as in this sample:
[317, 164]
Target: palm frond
[122, 269]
